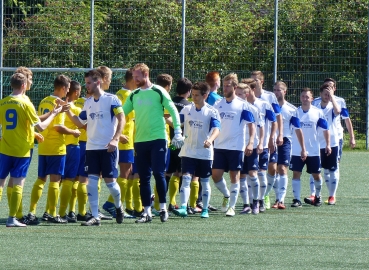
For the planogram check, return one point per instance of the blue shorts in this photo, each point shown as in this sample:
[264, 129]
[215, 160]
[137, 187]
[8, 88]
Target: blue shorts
[340, 146]
[71, 162]
[250, 163]
[312, 164]
[51, 165]
[126, 156]
[151, 156]
[16, 166]
[273, 157]
[330, 162]
[197, 167]
[175, 163]
[263, 159]
[102, 162]
[167, 160]
[284, 153]
[82, 171]
[228, 160]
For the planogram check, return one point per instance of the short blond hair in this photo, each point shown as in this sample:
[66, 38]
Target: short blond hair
[25, 71]
[258, 74]
[104, 71]
[283, 84]
[142, 67]
[231, 77]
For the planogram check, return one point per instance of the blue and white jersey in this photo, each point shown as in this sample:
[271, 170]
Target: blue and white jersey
[267, 115]
[329, 115]
[290, 118]
[234, 115]
[344, 113]
[271, 99]
[258, 122]
[101, 121]
[198, 126]
[311, 121]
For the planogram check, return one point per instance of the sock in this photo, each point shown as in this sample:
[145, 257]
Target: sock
[163, 206]
[156, 199]
[73, 198]
[234, 190]
[282, 187]
[167, 180]
[327, 179]
[296, 189]
[110, 199]
[270, 180]
[276, 185]
[206, 192]
[184, 192]
[36, 193]
[249, 190]
[1, 193]
[9, 191]
[337, 178]
[137, 195]
[222, 187]
[65, 195]
[147, 210]
[254, 185]
[334, 183]
[318, 186]
[116, 193]
[82, 198]
[194, 194]
[20, 210]
[199, 194]
[312, 185]
[173, 189]
[129, 194]
[47, 204]
[93, 194]
[99, 187]
[16, 198]
[244, 191]
[262, 184]
[123, 183]
[53, 197]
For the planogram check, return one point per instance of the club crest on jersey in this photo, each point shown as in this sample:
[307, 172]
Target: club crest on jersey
[98, 115]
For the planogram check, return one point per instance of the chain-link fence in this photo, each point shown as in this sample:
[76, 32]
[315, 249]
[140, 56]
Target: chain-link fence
[316, 39]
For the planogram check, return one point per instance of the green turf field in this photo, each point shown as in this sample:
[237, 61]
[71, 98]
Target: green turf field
[329, 237]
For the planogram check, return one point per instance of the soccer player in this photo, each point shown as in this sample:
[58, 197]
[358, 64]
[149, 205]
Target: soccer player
[213, 79]
[201, 127]
[230, 145]
[105, 122]
[150, 138]
[18, 117]
[311, 119]
[291, 122]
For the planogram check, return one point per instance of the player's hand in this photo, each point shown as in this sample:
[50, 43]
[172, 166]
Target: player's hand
[39, 137]
[123, 139]
[76, 133]
[249, 149]
[57, 108]
[328, 150]
[303, 155]
[271, 145]
[207, 143]
[112, 145]
[260, 149]
[352, 143]
[279, 140]
[178, 139]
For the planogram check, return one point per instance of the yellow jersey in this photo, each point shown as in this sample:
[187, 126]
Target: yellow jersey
[167, 129]
[54, 142]
[130, 125]
[80, 102]
[18, 118]
[70, 139]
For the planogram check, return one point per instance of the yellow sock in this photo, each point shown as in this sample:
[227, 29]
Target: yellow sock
[110, 199]
[53, 195]
[65, 195]
[1, 192]
[156, 199]
[122, 182]
[16, 198]
[194, 194]
[82, 198]
[20, 210]
[73, 198]
[129, 195]
[9, 191]
[137, 195]
[99, 187]
[173, 189]
[36, 193]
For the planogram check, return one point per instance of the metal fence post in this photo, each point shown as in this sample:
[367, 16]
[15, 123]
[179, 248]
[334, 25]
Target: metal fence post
[1, 45]
[367, 92]
[183, 38]
[275, 41]
[92, 34]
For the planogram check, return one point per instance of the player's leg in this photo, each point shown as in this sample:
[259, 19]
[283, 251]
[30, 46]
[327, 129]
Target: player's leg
[263, 182]
[235, 163]
[220, 165]
[283, 162]
[296, 166]
[175, 169]
[82, 186]
[271, 178]
[203, 171]
[313, 165]
[332, 164]
[194, 195]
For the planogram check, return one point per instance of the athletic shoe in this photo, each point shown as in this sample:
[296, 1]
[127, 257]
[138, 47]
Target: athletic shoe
[275, 205]
[309, 200]
[91, 222]
[29, 220]
[144, 219]
[246, 209]
[46, 216]
[120, 214]
[137, 214]
[104, 217]
[86, 217]
[129, 211]
[181, 212]
[331, 200]
[267, 202]
[71, 217]
[196, 210]
[281, 206]
[58, 220]
[225, 204]
[261, 206]
[110, 208]
[212, 208]
[199, 204]
[189, 211]
[255, 207]
[13, 222]
[164, 215]
[318, 201]
[230, 212]
[155, 212]
[296, 203]
[204, 213]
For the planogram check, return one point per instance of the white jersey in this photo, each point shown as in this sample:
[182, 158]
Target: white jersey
[198, 126]
[344, 113]
[101, 120]
[258, 122]
[290, 118]
[234, 115]
[329, 115]
[267, 115]
[310, 121]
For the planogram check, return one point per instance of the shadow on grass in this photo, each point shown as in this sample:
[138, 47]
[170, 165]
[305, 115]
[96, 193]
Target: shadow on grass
[3, 221]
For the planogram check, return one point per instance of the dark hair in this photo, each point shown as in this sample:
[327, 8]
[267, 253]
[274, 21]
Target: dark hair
[184, 86]
[61, 81]
[203, 87]
[17, 79]
[324, 86]
[326, 80]
[74, 86]
[250, 82]
[164, 80]
[129, 75]
[307, 89]
[94, 74]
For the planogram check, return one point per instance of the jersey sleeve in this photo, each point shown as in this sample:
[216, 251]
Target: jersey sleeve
[128, 106]
[322, 123]
[169, 105]
[247, 116]
[116, 105]
[31, 114]
[275, 104]
[269, 113]
[295, 122]
[215, 120]
[182, 114]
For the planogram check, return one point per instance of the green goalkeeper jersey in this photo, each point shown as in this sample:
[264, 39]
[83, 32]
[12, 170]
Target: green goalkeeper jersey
[149, 105]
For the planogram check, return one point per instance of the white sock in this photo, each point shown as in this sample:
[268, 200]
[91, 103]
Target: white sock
[282, 187]
[222, 186]
[296, 189]
[244, 192]
[318, 186]
[327, 179]
[93, 194]
[254, 187]
[206, 192]
[271, 180]
[337, 178]
[235, 189]
[262, 184]
[276, 185]
[115, 193]
[185, 190]
[147, 210]
[312, 185]
[248, 182]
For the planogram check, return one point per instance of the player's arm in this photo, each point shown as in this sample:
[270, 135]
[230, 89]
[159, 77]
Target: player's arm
[277, 111]
[271, 117]
[260, 146]
[252, 131]
[351, 132]
[295, 122]
[128, 106]
[336, 107]
[41, 126]
[215, 129]
[113, 144]
[67, 131]
[322, 123]
[77, 120]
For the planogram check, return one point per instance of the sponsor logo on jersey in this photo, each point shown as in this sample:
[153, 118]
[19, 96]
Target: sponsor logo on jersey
[97, 115]
[307, 124]
[196, 124]
[227, 115]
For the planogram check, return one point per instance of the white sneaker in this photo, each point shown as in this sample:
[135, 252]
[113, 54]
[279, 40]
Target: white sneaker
[230, 212]
[225, 205]
[13, 222]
